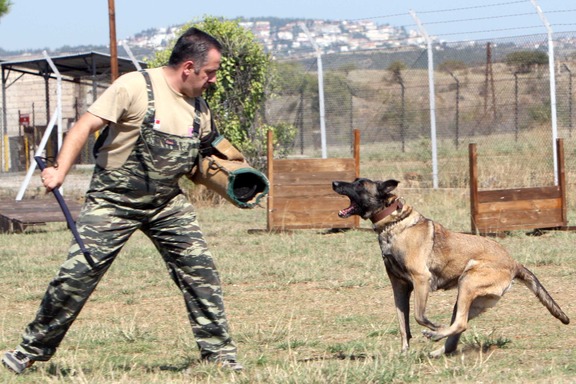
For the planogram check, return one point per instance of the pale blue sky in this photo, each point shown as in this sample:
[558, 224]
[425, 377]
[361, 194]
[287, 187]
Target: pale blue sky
[38, 24]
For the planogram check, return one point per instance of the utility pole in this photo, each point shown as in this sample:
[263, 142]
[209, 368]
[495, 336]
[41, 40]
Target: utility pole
[489, 83]
[113, 43]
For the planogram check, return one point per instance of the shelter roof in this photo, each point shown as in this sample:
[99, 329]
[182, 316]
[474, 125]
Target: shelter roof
[80, 65]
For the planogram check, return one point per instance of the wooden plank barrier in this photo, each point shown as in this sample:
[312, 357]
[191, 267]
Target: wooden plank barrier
[494, 211]
[18, 215]
[301, 195]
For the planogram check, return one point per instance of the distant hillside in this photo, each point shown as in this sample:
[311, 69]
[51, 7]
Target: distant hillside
[284, 37]
[368, 44]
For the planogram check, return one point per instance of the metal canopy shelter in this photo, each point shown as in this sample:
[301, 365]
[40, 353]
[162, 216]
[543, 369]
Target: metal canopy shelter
[74, 67]
[91, 66]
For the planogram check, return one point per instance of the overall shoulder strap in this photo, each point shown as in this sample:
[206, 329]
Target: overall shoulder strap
[196, 126]
[148, 86]
[149, 119]
[206, 148]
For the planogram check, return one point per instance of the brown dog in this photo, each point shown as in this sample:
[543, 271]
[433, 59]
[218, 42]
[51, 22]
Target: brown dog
[422, 256]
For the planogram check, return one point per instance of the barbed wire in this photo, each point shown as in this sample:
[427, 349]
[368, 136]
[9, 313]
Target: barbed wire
[477, 19]
[441, 10]
[474, 7]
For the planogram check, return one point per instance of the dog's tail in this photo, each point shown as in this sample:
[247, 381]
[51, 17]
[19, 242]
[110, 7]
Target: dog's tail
[532, 282]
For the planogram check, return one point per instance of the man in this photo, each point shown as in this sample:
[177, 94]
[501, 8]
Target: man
[155, 120]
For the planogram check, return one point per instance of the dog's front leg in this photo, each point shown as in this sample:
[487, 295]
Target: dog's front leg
[421, 291]
[402, 291]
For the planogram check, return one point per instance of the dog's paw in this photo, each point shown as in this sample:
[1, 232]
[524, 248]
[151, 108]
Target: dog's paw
[434, 336]
[430, 325]
[436, 327]
[437, 353]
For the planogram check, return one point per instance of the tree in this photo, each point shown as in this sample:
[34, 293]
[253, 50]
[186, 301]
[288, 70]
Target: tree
[240, 92]
[451, 66]
[4, 7]
[395, 69]
[526, 61]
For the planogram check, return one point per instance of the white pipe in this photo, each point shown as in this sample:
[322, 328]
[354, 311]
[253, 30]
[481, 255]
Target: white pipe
[320, 90]
[322, 109]
[131, 56]
[56, 116]
[432, 98]
[60, 133]
[39, 150]
[58, 97]
[553, 108]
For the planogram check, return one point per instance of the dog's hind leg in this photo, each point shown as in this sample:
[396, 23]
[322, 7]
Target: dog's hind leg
[479, 288]
[451, 342]
[479, 305]
[459, 319]
[449, 346]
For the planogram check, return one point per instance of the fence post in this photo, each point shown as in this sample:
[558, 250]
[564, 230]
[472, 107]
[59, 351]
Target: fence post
[432, 99]
[552, 86]
[472, 158]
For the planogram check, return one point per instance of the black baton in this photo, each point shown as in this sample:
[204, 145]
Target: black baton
[68, 215]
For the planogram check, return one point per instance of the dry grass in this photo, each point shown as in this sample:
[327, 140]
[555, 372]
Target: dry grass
[304, 307]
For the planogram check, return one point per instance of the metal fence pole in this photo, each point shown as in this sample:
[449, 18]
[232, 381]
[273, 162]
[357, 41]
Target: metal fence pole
[56, 119]
[552, 86]
[320, 90]
[432, 100]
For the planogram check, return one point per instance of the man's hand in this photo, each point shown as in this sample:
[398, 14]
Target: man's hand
[52, 178]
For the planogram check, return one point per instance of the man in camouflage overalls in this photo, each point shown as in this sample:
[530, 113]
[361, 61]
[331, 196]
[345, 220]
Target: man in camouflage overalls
[140, 157]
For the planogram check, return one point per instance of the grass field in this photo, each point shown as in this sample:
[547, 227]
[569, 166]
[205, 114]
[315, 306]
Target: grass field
[304, 307]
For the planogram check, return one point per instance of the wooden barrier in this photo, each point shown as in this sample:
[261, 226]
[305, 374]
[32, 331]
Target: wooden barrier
[501, 210]
[18, 215]
[301, 195]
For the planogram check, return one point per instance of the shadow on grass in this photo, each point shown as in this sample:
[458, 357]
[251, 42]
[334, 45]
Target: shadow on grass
[338, 356]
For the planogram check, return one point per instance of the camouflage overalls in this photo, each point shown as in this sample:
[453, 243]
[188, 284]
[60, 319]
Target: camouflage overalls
[142, 194]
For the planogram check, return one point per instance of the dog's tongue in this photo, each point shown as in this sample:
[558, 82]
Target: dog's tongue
[346, 211]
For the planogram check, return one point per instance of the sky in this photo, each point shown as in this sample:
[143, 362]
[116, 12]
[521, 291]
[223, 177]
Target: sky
[40, 24]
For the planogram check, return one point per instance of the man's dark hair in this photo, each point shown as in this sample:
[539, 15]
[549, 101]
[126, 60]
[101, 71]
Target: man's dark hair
[194, 45]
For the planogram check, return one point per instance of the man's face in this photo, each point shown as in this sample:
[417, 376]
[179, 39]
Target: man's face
[200, 79]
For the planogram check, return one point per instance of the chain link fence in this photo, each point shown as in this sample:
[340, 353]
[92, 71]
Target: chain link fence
[30, 102]
[482, 96]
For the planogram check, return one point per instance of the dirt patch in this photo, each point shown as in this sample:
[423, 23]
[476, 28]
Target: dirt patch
[74, 187]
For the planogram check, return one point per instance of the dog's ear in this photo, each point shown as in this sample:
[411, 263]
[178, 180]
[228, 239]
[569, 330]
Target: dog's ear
[387, 186]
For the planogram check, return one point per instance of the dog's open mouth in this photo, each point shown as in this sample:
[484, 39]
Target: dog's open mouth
[347, 212]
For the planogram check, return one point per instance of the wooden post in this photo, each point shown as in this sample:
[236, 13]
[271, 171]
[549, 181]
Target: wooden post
[113, 43]
[357, 166]
[270, 171]
[562, 179]
[472, 156]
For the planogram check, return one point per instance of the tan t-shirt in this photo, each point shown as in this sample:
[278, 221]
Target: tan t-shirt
[124, 105]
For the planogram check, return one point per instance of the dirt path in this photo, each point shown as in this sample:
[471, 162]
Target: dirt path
[75, 185]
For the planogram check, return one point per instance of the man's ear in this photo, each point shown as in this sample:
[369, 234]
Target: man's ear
[188, 67]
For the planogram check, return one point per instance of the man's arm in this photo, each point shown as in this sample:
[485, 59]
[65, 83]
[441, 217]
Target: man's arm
[76, 138]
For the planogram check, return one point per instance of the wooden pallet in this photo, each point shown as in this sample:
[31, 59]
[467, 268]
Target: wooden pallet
[301, 195]
[18, 215]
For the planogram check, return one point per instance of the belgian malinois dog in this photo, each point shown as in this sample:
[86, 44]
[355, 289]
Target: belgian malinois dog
[422, 256]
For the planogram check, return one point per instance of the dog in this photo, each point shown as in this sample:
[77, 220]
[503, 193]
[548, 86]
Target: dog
[421, 256]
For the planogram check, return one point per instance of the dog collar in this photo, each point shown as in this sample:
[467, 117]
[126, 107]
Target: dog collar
[397, 204]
